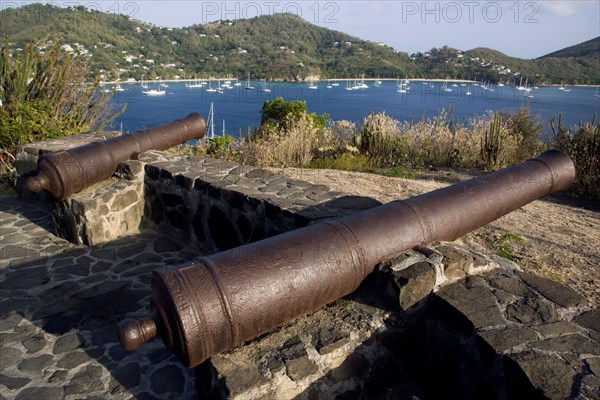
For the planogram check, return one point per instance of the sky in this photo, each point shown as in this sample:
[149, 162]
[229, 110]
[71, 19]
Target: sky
[524, 29]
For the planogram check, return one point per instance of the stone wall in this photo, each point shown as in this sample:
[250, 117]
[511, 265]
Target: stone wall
[212, 204]
[416, 330]
[98, 214]
[106, 211]
[447, 320]
[221, 205]
[503, 335]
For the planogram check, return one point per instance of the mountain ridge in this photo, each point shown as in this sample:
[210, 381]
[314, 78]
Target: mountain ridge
[274, 47]
[589, 48]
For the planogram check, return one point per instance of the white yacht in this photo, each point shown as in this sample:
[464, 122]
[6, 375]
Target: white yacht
[154, 92]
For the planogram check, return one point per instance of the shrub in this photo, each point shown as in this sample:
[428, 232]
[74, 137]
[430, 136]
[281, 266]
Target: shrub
[344, 131]
[437, 142]
[293, 143]
[278, 111]
[380, 141]
[582, 144]
[525, 130]
[42, 98]
[221, 147]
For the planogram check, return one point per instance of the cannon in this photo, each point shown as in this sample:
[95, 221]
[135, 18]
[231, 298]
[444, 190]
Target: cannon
[63, 173]
[214, 303]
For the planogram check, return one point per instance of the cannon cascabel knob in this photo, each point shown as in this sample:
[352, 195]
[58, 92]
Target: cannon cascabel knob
[37, 183]
[134, 332]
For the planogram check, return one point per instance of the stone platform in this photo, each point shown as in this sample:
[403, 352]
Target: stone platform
[447, 320]
[60, 303]
[498, 334]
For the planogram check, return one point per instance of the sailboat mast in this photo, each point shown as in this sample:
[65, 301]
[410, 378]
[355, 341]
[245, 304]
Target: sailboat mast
[212, 121]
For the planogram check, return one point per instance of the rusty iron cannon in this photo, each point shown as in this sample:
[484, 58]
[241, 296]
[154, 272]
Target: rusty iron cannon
[217, 302]
[63, 173]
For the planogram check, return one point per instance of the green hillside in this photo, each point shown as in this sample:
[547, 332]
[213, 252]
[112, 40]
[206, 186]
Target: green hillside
[590, 48]
[274, 47]
[281, 46]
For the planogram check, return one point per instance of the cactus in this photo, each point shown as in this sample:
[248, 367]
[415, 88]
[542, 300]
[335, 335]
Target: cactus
[492, 143]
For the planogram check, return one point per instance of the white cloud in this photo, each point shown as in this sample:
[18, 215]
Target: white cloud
[564, 8]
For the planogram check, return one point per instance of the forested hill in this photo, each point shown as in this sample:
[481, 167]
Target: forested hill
[588, 49]
[280, 46]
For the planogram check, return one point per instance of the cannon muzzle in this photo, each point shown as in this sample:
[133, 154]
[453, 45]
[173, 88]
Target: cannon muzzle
[214, 303]
[63, 173]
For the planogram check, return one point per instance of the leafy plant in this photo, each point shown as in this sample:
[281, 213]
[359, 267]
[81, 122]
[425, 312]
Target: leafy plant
[221, 147]
[276, 111]
[42, 97]
[279, 112]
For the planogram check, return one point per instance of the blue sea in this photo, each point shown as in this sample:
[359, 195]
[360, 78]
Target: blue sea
[237, 110]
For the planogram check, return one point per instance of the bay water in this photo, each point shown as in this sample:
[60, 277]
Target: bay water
[237, 110]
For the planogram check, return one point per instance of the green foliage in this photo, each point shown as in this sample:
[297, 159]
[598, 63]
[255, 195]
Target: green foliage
[345, 162]
[275, 111]
[221, 147]
[224, 147]
[397, 171]
[582, 144]
[576, 64]
[504, 244]
[278, 111]
[42, 98]
[585, 49]
[280, 46]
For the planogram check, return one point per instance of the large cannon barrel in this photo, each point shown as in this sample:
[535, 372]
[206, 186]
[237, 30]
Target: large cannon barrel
[63, 173]
[214, 303]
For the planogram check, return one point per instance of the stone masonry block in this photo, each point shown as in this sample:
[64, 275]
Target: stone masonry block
[414, 283]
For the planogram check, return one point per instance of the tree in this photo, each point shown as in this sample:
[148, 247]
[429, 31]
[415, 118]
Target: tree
[275, 112]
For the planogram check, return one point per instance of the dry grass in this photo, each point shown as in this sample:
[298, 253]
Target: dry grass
[439, 142]
[381, 143]
[582, 143]
[291, 144]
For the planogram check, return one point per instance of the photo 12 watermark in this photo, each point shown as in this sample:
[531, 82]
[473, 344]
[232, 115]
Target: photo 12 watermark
[455, 12]
[129, 9]
[316, 12]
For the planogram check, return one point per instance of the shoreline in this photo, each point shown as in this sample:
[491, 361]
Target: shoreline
[322, 80]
